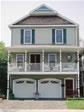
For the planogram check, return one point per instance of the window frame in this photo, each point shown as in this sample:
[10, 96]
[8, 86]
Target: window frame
[55, 58]
[16, 58]
[30, 36]
[56, 37]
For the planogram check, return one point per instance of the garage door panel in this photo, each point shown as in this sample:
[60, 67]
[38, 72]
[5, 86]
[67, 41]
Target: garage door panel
[50, 89]
[24, 88]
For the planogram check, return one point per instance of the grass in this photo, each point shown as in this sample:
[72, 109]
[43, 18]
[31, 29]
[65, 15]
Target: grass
[75, 103]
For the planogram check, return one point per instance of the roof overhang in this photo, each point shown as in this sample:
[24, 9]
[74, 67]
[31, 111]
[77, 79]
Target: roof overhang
[46, 48]
[26, 26]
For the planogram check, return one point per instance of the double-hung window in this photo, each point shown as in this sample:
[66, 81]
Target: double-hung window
[59, 36]
[27, 36]
[51, 60]
[20, 59]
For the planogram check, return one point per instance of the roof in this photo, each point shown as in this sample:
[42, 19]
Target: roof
[43, 15]
[43, 20]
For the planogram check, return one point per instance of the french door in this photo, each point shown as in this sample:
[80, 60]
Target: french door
[35, 62]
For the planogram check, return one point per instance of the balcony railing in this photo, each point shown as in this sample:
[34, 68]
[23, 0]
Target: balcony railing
[37, 67]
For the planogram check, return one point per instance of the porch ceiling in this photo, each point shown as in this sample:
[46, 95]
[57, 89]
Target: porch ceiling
[46, 48]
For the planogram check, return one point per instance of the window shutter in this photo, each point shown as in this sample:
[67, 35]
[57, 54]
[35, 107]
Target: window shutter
[33, 36]
[64, 35]
[53, 36]
[22, 36]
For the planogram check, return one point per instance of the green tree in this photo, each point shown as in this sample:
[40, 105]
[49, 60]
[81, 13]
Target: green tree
[3, 68]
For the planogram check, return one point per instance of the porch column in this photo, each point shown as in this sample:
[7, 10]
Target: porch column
[25, 61]
[78, 74]
[8, 77]
[60, 61]
[42, 60]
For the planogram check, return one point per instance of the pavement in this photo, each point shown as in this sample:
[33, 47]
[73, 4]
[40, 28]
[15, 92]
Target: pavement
[33, 104]
[49, 110]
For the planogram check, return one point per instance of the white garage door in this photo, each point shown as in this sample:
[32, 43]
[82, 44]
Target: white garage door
[24, 88]
[50, 88]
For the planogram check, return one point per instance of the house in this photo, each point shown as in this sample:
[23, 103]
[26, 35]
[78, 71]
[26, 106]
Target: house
[82, 74]
[43, 60]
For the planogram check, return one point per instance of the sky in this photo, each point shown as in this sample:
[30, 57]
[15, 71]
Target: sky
[12, 10]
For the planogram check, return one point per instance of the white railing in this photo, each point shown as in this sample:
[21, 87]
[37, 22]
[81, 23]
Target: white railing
[37, 67]
[69, 67]
[34, 67]
[13, 67]
[51, 67]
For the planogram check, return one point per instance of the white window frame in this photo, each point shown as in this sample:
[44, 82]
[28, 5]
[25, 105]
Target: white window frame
[55, 58]
[56, 37]
[30, 38]
[16, 58]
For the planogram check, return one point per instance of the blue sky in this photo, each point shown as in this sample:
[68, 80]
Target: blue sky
[13, 10]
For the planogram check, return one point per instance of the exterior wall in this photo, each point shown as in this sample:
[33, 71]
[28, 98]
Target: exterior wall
[44, 36]
[37, 77]
[64, 55]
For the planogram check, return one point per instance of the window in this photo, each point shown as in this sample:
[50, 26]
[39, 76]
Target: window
[27, 37]
[59, 36]
[52, 58]
[20, 58]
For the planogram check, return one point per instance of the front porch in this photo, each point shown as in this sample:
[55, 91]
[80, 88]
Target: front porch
[47, 59]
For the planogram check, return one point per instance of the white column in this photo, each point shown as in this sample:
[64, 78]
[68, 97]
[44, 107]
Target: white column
[25, 61]
[78, 74]
[8, 77]
[60, 61]
[42, 60]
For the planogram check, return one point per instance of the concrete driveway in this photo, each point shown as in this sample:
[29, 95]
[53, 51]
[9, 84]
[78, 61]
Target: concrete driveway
[33, 104]
[26, 110]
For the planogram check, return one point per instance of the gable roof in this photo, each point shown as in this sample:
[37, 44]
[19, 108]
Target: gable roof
[43, 15]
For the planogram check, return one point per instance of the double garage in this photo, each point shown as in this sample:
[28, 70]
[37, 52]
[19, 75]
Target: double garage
[46, 88]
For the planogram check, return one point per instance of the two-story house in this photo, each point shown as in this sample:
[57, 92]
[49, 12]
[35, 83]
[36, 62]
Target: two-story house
[43, 59]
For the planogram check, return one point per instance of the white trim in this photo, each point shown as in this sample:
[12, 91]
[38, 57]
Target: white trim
[30, 36]
[54, 11]
[16, 58]
[44, 73]
[65, 83]
[34, 53]
[55, 57]
[56, 37]
[21, 26]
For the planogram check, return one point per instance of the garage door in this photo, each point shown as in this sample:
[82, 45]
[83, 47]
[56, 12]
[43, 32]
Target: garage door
[50, 88]
[24, 88]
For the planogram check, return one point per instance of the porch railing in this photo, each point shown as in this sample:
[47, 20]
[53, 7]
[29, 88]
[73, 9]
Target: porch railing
[37, 67]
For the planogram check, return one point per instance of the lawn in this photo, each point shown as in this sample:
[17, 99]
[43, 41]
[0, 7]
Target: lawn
[75, 103]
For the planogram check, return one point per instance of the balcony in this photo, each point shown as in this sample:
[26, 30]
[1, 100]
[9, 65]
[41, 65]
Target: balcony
[39, 67]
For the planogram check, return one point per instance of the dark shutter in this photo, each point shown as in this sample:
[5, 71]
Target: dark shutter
[64, 35]
[33, 36]
[22, 36]
[53, 36]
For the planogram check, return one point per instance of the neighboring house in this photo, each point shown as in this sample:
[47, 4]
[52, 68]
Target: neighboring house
[82, 74]
[43, 59]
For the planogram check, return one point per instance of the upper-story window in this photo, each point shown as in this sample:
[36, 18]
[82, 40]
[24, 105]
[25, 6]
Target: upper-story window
[59, 36]
[27, 36]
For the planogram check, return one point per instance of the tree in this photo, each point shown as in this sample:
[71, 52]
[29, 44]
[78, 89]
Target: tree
[3, 68]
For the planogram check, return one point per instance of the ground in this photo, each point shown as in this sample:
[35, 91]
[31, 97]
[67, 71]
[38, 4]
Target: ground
[27, 110]
[32, 104]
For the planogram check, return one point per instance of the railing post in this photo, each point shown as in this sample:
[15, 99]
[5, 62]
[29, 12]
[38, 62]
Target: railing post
[78, 74]
[8, 77]
[25, 61]
[60, 61]
[42, 60]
